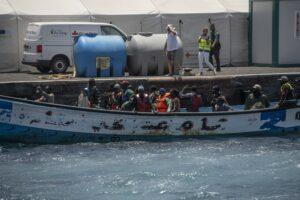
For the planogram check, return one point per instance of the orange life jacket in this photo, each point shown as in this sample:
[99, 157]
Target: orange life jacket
[161, 105]
[143, 104]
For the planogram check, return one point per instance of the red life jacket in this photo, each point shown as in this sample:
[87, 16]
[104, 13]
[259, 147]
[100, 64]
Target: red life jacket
[143, 104]
[161, 105]
[196, 103]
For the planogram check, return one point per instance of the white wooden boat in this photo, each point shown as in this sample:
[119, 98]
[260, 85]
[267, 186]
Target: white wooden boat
[31, 122]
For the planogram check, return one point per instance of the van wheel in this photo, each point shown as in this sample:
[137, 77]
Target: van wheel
[43, 69]
[59, 65]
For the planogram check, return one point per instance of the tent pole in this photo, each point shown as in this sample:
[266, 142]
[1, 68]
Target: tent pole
[180, 27]
[18, 44]
[230, 41]
[161, 24]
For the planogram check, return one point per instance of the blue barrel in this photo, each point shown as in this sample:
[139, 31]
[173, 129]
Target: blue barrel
[98, 55]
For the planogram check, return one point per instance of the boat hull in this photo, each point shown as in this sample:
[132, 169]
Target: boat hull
[31, 122]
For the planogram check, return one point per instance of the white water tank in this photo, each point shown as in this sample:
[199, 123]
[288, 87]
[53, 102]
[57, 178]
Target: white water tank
[146, 56]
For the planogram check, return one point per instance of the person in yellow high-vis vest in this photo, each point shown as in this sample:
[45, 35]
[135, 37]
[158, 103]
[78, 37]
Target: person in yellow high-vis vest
[204, 49]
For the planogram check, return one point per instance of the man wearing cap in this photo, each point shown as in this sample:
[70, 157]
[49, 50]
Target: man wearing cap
[287, 97]
[256, 99]
[163, 103]
[204, 42]
[171, 47]
[116, 97]
[142, 99]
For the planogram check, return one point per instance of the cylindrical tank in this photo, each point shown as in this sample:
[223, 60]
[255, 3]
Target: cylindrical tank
[146, 56]
[97, 55]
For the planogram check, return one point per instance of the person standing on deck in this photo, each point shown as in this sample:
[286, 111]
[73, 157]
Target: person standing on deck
[256, 99]
[215, 46]
[194, 99]
[204, 42]
[287, 96]
[171, 47]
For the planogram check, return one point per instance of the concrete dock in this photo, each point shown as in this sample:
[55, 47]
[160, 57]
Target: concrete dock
[31, 74]
[230, 79]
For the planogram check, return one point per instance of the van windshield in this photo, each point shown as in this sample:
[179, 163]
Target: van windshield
[33, 31]
[109, 30]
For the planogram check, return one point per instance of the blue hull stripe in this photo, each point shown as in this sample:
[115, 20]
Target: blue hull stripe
[23, 134]
[5, 105]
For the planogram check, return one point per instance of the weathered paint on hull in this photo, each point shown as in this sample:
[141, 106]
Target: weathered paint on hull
[30, 122]
[12, 133]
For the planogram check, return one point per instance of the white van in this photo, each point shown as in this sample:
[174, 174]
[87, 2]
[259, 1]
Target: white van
[49, 45]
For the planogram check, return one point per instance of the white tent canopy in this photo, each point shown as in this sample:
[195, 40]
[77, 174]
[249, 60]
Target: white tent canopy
[188, 16]
[189, 6]
[120, 7]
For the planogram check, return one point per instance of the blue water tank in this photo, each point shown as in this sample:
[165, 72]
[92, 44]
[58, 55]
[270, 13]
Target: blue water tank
[98, 55]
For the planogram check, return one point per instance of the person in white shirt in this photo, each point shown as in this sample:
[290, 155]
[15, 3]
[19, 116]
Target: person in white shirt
[171, 47]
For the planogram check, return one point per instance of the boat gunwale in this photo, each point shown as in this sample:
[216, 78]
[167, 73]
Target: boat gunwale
[99, 110]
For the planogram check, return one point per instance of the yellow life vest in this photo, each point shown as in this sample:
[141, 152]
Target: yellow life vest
[204, 45]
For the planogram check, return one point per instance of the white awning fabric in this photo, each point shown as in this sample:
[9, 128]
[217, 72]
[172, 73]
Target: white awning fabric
[51, 7]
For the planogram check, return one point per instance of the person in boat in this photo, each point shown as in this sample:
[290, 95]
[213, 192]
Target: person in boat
[221, 105]
[240, 94]
[83, 100]
[219, 101]
[105, 101]
[194, 99]
[153, 97]
[142, 100]
[127, 90]
[116, 97]
[163, 103]
[129, 105]
[175, 101]
[256, 99]
[93, 93]
[287, 96]
[44, 95]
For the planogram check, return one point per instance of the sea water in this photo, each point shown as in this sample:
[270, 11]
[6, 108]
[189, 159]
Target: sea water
[221, 168]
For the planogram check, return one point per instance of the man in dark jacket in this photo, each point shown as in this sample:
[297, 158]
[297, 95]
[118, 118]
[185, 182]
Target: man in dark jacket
[215, 46]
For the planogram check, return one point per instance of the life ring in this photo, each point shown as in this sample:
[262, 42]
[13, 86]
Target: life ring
[187, 125]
